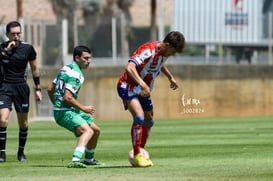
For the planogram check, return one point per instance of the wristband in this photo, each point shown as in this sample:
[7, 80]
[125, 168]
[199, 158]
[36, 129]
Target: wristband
[36, 80]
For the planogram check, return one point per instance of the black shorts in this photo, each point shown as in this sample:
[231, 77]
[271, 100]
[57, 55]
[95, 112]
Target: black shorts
[18, 94]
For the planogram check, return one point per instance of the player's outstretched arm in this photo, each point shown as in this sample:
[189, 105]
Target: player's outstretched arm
[173, 83]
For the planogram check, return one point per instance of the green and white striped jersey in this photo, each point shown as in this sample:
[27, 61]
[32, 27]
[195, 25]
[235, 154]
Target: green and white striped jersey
[70, 77]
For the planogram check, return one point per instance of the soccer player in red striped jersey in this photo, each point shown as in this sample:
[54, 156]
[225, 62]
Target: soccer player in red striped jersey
[136, 83]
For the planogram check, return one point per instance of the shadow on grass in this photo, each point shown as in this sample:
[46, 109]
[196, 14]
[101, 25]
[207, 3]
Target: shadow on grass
[111, 166]
[47, 166]
[95, 167]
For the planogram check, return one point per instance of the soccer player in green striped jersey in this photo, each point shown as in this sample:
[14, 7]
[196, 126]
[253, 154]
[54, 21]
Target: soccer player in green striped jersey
[71, 114]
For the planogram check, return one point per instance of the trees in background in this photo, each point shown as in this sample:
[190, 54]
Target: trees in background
[90, 23]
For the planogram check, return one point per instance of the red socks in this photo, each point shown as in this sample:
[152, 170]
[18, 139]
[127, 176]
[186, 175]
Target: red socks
[145, 135]
[140, 131]
[136, 135]
[139, 135]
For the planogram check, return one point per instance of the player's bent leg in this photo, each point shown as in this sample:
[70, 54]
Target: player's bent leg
[91, 147]
[94, 140]
[84, 133]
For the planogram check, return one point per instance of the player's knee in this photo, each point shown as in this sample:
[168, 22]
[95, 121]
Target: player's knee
[86, 133]
[89, 132]
[86, 130]
[3, 122]
[148, 123]
[138, 119]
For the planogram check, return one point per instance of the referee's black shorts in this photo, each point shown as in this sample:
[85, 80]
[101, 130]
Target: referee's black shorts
[18, 94]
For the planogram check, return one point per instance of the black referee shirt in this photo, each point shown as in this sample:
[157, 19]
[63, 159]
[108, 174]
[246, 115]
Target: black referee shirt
[14, 65]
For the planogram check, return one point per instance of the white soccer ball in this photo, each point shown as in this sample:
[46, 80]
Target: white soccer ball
[144, 152]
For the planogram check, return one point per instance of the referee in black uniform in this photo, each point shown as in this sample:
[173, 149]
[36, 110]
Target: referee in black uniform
[14, 58]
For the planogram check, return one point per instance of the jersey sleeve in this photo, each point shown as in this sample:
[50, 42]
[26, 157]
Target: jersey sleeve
[54, 81]
[32, 54]
[73, 85]
[141, 55]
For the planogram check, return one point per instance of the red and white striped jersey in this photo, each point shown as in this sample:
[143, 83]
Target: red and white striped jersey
[148, 64]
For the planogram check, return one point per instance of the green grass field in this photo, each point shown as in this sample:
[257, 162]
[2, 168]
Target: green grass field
[207, 149]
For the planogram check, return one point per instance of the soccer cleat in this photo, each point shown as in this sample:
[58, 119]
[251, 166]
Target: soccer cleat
[93, 162]
[140, 161]
[76, 165]
[2, 156]
[152, 164]
[21, 157]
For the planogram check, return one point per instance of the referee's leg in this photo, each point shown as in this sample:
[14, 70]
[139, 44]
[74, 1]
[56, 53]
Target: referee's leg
[4, 116]
[23, 133]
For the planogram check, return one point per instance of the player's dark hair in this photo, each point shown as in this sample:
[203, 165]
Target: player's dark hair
[12, 24]
[79, 49]
[176, 40]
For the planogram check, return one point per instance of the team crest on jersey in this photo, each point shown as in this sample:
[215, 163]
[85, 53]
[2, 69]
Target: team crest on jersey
[74, 88]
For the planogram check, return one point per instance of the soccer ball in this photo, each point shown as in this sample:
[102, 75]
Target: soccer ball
[142, 151]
